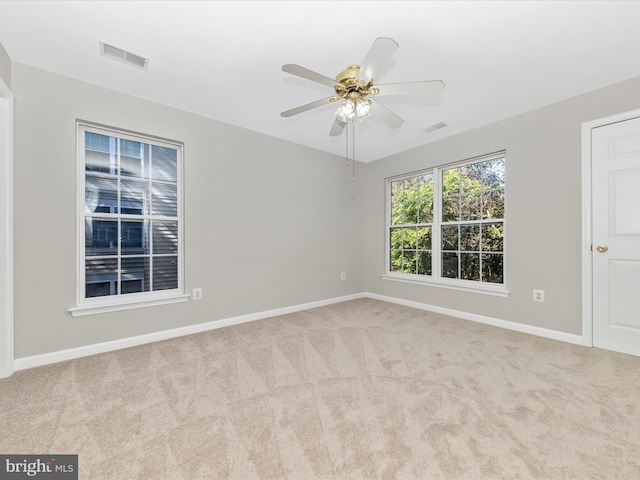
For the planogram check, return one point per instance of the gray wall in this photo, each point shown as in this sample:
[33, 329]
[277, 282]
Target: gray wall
[544, 209]
[268, 224]
[5, 67]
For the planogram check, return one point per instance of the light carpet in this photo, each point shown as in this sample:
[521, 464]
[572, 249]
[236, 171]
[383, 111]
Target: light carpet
[358, 390]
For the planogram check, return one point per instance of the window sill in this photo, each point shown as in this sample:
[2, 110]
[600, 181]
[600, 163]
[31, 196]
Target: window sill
[484, 288]
[111, 306]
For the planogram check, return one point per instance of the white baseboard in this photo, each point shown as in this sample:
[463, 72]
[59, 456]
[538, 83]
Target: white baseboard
[518, 327]
[85, 351]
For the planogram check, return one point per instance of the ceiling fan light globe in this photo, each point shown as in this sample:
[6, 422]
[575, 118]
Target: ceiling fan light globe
[344, 118]
[363, 109]
[346, 111]
[347, 107]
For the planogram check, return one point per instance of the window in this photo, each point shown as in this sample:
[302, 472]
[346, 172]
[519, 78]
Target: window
[446, 224]
[130, 210]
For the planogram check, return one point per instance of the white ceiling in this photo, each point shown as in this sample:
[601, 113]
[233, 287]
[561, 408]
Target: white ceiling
[223, 59]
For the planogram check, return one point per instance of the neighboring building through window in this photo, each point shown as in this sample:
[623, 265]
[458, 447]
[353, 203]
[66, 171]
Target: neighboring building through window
[446, 224]
[131, 215]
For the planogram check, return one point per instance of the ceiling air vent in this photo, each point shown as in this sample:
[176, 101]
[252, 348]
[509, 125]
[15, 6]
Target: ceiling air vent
[435, 127]
[122, 55]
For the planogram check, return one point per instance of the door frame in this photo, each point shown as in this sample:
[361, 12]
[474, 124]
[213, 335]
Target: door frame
[587, 215]
[6, 232]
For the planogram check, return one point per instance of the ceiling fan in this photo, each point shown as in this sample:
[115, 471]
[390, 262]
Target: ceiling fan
[355, 87]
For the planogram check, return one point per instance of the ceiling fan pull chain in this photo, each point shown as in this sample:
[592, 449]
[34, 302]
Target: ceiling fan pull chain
[346, 146]
[353, 152]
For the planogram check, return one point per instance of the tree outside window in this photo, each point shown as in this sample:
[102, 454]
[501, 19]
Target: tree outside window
[448, 223]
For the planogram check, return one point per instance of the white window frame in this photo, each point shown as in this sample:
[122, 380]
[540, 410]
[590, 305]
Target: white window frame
[436, 279]
[110, 303]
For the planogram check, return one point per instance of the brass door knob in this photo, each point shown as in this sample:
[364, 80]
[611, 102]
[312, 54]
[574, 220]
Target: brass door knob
[602, 248]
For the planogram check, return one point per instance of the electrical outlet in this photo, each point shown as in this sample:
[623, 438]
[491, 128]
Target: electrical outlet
[197, 294]
[343, 276]
[538, 296]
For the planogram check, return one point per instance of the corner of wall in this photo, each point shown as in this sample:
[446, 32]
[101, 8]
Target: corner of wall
[5, 71]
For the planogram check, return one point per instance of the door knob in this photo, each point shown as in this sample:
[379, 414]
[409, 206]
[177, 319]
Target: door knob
[602, 248]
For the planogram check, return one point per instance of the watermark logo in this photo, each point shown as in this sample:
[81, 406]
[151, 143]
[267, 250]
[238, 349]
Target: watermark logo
[45, 467]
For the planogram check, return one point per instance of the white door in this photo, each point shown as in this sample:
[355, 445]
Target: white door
[616, 236]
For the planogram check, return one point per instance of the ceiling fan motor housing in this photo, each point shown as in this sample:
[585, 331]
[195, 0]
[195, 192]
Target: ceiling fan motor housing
[349, 87]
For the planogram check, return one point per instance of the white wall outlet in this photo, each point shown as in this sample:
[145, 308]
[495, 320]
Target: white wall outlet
[197, 294]
[538, 295]
[343, 275]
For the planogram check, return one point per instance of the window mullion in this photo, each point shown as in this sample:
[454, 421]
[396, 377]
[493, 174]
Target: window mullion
[481, 240]
[436, 256]
[458, 223]
[119, 218]
[119, 268]
[151, 221]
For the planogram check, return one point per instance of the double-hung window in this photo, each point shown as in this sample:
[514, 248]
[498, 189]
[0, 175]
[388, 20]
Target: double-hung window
[445, 225]
[129, 220]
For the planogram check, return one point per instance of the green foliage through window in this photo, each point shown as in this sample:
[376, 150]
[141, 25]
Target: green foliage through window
[411, 220]
[469, 224]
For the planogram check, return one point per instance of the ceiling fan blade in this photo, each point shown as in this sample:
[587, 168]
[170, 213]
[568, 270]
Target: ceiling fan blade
[427, 88]
[387, 116]
[304, 108]
[299, 71]
[338, 127]
[380, 52]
